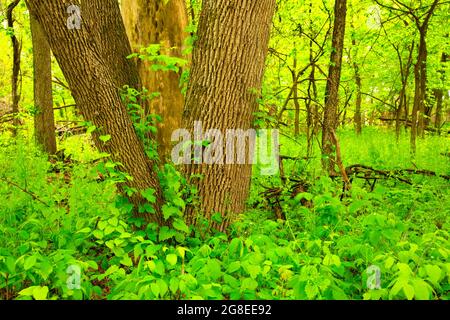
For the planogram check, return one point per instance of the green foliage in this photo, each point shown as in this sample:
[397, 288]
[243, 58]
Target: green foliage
[319, 252]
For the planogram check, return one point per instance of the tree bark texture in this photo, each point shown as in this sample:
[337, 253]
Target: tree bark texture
[159, 22]
[330, 121]
[225, 83]
[94, 86]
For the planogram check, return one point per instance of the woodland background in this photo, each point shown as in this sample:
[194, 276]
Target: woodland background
[91, 207]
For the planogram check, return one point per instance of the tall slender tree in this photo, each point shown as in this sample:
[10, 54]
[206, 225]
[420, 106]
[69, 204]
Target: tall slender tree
[330, 120]
[420, 14]
[44, 120]
[17, 49]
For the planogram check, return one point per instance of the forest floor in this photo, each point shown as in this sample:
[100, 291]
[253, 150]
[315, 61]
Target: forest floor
[66, 234]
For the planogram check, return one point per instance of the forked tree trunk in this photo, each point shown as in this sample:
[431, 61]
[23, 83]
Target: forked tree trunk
[226, 76]
[159, 22]
[94, 87]
[330, 121]
[44, 120]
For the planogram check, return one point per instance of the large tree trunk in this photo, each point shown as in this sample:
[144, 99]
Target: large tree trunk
[44, 121]
[226, 76]
[94, 86]
[159, 22]
[111, 26]
[330, 121]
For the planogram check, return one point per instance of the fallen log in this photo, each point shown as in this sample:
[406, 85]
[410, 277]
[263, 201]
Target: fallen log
[398, 174]
[408, 123]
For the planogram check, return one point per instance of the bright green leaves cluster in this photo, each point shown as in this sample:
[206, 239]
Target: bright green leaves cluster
[160, 62]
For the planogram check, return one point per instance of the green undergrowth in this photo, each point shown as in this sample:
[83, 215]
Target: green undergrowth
[65, 234]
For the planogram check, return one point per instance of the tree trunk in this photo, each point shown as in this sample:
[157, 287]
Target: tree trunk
[17, 48]
[330, 121]
[159, 22]
[420, 76]
[226, 76]
[296, 103]
[420, 79]
[111, 26]
[44, 120]
[93, 83]
[439, 95]
[358, 114]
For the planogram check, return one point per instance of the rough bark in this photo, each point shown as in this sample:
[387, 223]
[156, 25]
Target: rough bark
[111, 26]
[226, 76]
[44, 120]
[159, 22]
[330, 121]
[94, 87]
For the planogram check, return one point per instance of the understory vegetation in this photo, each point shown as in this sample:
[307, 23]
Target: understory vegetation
[66, 212]
[224, 150]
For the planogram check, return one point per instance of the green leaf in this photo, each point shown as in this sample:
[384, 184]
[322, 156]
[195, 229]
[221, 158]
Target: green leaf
[249, 284]
[10, 264]
[172, 259]
[234, 266]
[331, 259]
[434, 273]
[311, 290]
[165, 233]
[105, 138]
[173, 285]
[421, 289]
[180, 225]
[27, 292]
[84, 230]
[409, 291]
[40, 293]
[236, 246]
[149, 195]
[29, 262]
[126, 261]
[163, 288]
[170, 211]
[155, 289]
